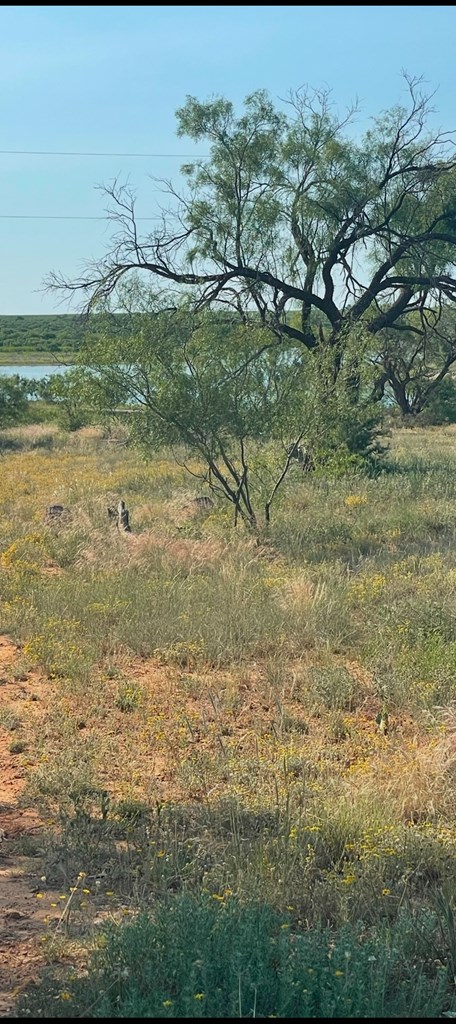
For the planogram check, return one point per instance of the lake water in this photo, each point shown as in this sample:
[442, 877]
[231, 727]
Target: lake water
[30, 372]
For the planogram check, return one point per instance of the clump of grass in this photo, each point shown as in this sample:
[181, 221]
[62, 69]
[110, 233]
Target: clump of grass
[128, 696]
[333, 687]
[339, 728]
[31, 436]
[9, 719]
[18, 747]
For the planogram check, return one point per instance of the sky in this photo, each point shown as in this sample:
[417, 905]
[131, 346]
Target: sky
[108, 80]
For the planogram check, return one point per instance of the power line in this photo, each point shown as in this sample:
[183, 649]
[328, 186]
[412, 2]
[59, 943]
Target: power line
[43, 216]
[56, 152]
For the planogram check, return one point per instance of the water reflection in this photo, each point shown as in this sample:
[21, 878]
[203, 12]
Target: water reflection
[33, 372]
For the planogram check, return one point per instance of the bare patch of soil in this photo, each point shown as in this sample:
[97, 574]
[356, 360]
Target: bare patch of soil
[21, 914]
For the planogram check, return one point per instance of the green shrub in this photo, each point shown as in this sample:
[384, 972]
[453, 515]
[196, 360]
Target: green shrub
[209, 957]
[441, 406]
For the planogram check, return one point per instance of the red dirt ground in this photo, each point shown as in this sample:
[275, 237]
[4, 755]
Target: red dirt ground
[21, 915]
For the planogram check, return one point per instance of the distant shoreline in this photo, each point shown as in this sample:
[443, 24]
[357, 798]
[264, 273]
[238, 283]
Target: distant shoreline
[18, 358]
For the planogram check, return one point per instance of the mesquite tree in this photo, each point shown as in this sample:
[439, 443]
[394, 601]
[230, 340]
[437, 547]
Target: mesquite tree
[232, 402]
[295, 222]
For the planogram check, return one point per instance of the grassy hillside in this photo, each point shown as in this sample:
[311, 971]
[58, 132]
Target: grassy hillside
[39, 338]
[252, 744]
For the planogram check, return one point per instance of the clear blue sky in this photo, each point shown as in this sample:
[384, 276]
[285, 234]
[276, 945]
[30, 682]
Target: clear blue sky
[109, 79]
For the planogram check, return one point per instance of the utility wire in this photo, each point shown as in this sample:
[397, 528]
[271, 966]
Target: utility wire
[44, 152]
[57, 152]
[39, 216]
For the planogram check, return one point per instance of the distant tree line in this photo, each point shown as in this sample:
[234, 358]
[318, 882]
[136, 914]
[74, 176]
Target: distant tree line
[49, 333]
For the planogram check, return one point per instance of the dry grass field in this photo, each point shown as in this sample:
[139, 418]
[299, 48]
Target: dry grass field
[210, 740]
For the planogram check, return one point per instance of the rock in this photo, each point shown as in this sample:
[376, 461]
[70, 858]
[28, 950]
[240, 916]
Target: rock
[56, 513]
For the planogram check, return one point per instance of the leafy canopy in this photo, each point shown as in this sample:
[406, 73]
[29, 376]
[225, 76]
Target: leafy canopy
[295, 222]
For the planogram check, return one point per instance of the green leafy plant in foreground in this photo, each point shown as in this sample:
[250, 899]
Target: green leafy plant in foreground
[212, 957]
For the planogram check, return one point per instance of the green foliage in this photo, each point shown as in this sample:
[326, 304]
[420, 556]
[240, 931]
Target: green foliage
[345, 434]
[235, 395]
[46, 334]
[308, 232]
[296, 223]
[414, 364]
[200, 957]
[211, 384]
[441, 405]
[66, 393]
[14, 399]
